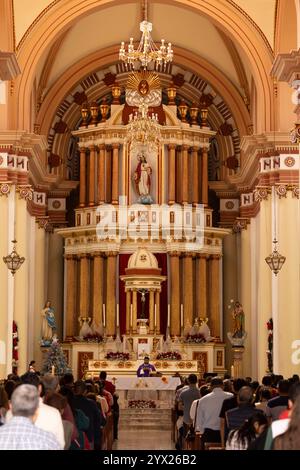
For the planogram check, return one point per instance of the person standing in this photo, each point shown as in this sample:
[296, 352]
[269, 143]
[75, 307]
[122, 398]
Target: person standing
[20, 433]
[207, 421]
[186, 398]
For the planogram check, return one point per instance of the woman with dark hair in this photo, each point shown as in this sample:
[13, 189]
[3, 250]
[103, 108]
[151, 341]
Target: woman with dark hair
[290, 439]
[4, 405]
[58, 401]
[240, 439]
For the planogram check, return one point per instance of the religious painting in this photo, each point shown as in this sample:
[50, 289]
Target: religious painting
[143, 348]
[82, 364]
[201, 358]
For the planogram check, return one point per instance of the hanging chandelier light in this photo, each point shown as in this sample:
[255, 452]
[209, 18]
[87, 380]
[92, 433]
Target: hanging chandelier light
[13, 261]
[147, 51]
[143, 129]
[275, 260]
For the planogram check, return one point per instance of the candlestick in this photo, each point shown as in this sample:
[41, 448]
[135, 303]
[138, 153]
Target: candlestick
[168, 314]
[232, 371]
[181, 315]
[103, 309]
[52, 370]
[118, 315]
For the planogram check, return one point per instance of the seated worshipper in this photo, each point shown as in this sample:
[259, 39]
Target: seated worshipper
[242, 438]
[146, 368]
[20, 433]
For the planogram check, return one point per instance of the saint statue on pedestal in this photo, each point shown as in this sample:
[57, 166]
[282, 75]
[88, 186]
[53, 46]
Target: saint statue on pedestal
[142, 179]
[48, 323]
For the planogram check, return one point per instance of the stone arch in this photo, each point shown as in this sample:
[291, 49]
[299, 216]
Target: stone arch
[60, 112]
[228, 17]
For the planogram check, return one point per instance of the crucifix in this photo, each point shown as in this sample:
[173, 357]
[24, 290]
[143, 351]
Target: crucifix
[143, 293]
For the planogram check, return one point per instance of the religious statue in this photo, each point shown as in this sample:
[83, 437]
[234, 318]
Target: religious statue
[143, 293]
[142, 179]
[238, 320]
[48, 323]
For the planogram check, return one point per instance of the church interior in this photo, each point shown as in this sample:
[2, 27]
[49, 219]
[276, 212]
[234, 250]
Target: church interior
[149, 191]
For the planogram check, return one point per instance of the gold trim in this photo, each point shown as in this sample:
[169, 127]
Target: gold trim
[264, 38]
[28, 30]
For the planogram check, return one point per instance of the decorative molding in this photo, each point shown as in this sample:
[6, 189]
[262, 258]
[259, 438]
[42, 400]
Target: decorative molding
[261, 193]
[25, 192]
[240, 224]
[9, 67]
[5, 188]
[43, 222]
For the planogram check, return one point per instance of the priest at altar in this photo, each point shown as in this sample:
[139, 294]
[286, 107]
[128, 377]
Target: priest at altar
[145, 369]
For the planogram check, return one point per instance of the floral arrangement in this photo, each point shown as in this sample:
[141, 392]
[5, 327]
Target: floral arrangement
[117, 356]
[141, 404]
[198, 338]
[170, 355]
[270, 345]
[93, 338]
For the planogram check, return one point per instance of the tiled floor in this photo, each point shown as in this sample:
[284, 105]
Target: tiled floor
[135, 439]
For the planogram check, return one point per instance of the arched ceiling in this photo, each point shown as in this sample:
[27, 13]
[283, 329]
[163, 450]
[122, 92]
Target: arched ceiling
[262, 12]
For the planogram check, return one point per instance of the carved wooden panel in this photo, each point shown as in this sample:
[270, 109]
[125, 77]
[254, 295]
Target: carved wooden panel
[82, 362]
[202, 360]
[220, 361]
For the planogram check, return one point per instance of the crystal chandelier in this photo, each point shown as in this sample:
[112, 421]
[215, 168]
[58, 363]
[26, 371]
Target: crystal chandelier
[275, 260]
[13, 261]
[143, 129]
[147, 51]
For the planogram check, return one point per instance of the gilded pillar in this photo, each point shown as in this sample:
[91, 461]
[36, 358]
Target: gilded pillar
[157, 303]
[82, 183]
[92, 198]
[175, 295]
[115, 174]
[134, 311]
[172, 172]
[185, 174]
[195, 189]
[71, 320]
[214, 294]
[204, 177]
[98, 289]
[101, 174]
[84, 286]
[151, 311]
[188, 289]
[202, 286]
[111, 294]
[128, 312]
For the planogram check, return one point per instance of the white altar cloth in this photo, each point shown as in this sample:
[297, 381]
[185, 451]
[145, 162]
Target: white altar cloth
[145, 383]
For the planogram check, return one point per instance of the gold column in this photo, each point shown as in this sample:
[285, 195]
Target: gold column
[134, 311]
[82, 183]
[151, 311]
[92, 176]
[84, 286]
[204, 176]
[188, 288]
[195, 190]
[71, 320]
[128, 307]
[175, 294]
[202, 286]
[101, 174]
[214, 294]
[111, 294]
[115, 174]
[185, 174]
[157, 303]
[172, 172]
[98, 289]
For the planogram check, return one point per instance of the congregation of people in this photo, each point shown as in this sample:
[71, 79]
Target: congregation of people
[48, 413]
[237, 414]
